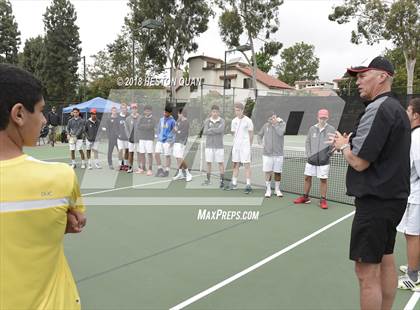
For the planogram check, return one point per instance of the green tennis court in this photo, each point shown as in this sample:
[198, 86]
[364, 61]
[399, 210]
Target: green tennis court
[145, 248]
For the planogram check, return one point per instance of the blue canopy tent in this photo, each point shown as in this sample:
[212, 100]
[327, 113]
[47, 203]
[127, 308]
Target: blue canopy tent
[100, 104]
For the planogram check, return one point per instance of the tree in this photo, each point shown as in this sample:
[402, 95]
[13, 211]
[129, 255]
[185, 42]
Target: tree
[9, 34]
[180, 23]
[250, 17]
[61, 53]
[32, 55]
[298, 63]
[396, 57]
[264, 61]
[398, 22]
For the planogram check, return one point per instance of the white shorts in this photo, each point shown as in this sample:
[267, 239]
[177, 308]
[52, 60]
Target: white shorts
[179, 150]
[146, 146]
[241, 155]
[92, 145]
[133, 147]
[273, 164]
[410, 222]
[122, 144]
[76, 145]
[163, 148]
[215, 155]
[321, 172]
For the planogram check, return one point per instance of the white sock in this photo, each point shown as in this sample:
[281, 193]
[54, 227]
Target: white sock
[234, 180]
[186, 171]
[277, 185]
[73, 161]
[248, 181]
[268, 184]
[160, 167]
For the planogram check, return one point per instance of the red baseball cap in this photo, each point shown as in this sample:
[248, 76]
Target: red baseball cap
[323, 113]
[93, 111]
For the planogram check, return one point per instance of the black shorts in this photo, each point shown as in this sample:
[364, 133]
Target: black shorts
[374, 228]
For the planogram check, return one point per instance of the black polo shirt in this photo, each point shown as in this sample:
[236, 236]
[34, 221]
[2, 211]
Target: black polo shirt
[382, 137]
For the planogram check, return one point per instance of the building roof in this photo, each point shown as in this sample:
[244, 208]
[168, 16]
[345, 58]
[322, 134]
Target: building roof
[264, 78]
[205, 58]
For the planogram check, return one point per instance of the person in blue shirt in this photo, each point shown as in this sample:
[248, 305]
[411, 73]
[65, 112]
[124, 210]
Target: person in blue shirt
[165, 141]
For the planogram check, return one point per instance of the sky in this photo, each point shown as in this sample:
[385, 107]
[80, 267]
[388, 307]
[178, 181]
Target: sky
[100, 21]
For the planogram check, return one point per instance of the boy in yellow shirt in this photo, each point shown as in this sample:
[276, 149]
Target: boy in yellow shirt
[35, 210]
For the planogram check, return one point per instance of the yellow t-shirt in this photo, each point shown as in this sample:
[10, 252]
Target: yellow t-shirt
[34, 199]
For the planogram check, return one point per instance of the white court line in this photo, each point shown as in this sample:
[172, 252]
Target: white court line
[413, 301]
[257, 265]
[173, 201]
[132, 186]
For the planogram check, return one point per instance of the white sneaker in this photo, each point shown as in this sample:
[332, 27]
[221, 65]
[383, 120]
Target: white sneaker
[98, 166]
[268, 193]
[405, 283]
[179, 176]
[188, 177]
[89, 167]
[83, 166]
[279, 193]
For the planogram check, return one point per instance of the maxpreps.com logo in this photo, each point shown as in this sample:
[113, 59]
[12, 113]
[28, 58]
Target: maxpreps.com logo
[219, 214]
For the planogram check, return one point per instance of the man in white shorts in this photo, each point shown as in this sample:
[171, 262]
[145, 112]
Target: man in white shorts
[76, 129]
[214, 129]
[122, 139]
[165, 141]
[272, 136]
[147, 126]
[131, 124]
[410, 222]
[91, 130]
[318, 152]
[181, 131]
[242, 129]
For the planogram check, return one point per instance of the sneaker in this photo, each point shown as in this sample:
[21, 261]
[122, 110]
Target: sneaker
[248, 189]
[279, 193]
[405, 283]
[121, 168]
[222, 184]
[111, 167]
[89, 167]
[302, 199]
[323, 204]
[73, 165]
[206, 183]
[149, 173]
[126, 168]
[159, 172]
[404, 268]
[166, 174]
[267, 193]
[231, 187]
[83, 166]
[98, 166]
[139, 171]
[188, 178]
[179, 176]
[129, 170]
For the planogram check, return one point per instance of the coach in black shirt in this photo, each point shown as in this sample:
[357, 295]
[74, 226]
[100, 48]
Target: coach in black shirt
[378, 176]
